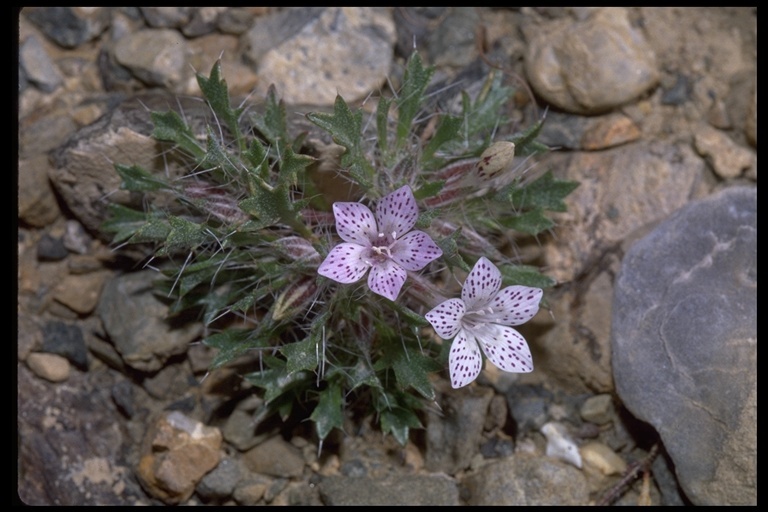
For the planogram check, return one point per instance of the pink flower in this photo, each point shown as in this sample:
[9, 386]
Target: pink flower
[483, 316]
[383, 243]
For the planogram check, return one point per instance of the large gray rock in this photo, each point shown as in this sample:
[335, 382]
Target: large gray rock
[684, 340]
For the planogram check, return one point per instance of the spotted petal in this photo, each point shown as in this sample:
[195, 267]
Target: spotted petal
[397, 212]
[515, 305]
[464, 360]
[446, 318]
[505, 347]
[386, 279]
[481, 285]
[415, 250]
[344, 263]
[355, 223]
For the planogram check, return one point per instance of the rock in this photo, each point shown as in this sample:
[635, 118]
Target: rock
[84, 172]
[44, 129]
[177, 452]
[80, 293]
[275, 457]
[600, 457]
[166, 17]
[750, 125]
[38, 66]
[528, 406]
[593, 65]
[621, 190]
[525, 479]
[685, 329]
[203, 21]
[567, 131]
[222, 480]
[678, 93]
[250, 490]
[37, 204]
[560, 444]
[72, 443]
[30, 336]
[50, 248]
[136, 322]
[598, 409]
[67, 341]
[75, 238]
[157, 57]
[453, 437]
[69, 26]
[236, 20]
[452, 42]
[728, 159]
[50, 367]
[318, 54]
[392, 490]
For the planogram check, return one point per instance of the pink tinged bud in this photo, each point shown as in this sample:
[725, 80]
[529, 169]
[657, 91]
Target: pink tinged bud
[212, 200]
[298, 249]
[294, 299]
[496, 158]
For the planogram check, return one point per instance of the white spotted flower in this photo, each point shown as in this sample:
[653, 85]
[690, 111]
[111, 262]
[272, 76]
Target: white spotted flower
[483, 316]
[383, 243]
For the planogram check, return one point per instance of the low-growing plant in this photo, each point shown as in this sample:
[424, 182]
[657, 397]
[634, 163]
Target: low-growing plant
[275, 267]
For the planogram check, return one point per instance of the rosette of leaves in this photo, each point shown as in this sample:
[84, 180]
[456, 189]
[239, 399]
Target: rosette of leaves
[242, 244]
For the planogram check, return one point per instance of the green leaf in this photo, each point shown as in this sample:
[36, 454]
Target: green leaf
[183, 235]
[264, 205]
[525, 275]
[328, 414]
[531, 222]
[410, 97]
[382, 125]
[170, 127]
[137, 179]
[300, 355]
[257, 157]
[291, 165]
[446, 131]
[230, 345]
[412, 370]
[272, 124]
[451, 251]
[546, 193]
[123, 222]
[398, 421]
[428, 190]
[155, 230]
[215, 91]
[525, 142]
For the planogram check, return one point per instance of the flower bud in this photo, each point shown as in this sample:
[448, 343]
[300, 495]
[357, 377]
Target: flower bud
[295, 298]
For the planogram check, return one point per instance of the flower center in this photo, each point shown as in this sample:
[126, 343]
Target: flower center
[477, 317]
[381, 248]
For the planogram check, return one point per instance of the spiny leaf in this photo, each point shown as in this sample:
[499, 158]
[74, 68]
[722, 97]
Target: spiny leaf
[137, 179]
[546, 193]
[398, 421]
[123, 222]
[412, 370]
[525, 275]
[272, 124]
[531, 222]
[409, 100]
[170, 127]
[446, 131]
[329, 414]
[183, 235]
[215, 91]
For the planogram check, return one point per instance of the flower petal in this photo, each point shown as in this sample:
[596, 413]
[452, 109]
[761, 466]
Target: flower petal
[386, 279]
[355, 223]
[344, 263]
[464, 360]
[505, 347]
[481, 285]
[397, 212]
[415, 250]
[446, 318]
[515, 305]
